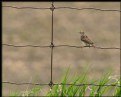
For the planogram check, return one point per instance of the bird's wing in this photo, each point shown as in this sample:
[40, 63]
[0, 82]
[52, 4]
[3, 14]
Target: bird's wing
[87, 40]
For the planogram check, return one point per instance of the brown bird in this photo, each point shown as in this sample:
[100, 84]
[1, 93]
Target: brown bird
[86, 40]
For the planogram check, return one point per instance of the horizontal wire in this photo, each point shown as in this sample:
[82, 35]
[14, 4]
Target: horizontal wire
[25, 7]
[88, 8]
[68, 46]
[107, 48]
[90, 85]
[87, 46]
[25, 45]
[64, 8]
[22, 83]
[59, 46]
[59, 84]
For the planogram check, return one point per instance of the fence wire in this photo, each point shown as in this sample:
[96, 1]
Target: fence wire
[52, 45]
[96, 47]
[89, 8]
[59, 84]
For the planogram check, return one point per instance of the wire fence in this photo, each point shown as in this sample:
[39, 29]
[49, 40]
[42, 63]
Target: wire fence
[52, 45]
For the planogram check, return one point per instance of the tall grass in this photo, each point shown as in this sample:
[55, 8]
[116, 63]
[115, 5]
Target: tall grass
[87, 90]
[84, 90]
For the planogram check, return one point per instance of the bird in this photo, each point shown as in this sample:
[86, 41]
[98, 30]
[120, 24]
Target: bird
[86, 40]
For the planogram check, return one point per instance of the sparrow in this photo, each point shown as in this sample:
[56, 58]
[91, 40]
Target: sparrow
[86, 40]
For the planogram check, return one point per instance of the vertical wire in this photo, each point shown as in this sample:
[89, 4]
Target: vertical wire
[51, 82]
[52, 24]
[51, 63]
[120, 44]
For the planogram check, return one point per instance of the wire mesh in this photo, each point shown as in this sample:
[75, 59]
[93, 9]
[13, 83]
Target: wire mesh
[52, 45]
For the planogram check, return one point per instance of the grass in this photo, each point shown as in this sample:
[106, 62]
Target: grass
[85, 90]
[33, 92]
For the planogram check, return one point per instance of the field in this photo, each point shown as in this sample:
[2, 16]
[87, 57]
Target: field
[33, 27]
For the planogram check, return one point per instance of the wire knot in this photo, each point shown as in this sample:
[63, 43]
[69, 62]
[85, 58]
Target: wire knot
[51, 83]
[52, 7]
[52, 45]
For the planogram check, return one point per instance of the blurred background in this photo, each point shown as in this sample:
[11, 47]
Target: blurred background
[33, 27]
